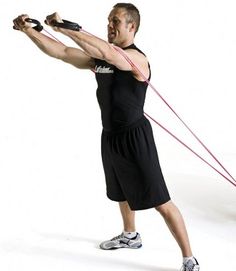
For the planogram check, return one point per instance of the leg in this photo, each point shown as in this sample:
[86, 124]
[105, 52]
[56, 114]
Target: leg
[128, 216]
[175, 222]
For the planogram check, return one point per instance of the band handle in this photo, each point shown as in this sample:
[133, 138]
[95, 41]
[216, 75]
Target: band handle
[67, 25]
[38, 27]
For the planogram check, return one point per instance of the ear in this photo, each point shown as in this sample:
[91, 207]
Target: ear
[132, 27]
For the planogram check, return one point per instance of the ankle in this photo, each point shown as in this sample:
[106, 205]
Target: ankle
[130, 234]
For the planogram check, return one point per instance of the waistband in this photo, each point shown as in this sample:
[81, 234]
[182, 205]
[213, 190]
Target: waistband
[127, 127]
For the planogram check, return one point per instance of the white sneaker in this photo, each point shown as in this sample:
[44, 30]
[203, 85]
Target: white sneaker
[122, 241]
[190, 265]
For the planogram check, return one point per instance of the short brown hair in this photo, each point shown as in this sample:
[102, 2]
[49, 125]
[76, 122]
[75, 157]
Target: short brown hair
[132, 13]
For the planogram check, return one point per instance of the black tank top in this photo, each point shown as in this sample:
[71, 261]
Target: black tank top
[120, 96]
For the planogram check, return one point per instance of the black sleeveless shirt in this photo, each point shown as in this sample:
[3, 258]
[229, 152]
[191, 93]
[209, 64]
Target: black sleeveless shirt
[120, 96]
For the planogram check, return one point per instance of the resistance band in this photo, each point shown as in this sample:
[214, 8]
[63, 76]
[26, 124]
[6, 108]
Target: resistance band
[74, 26]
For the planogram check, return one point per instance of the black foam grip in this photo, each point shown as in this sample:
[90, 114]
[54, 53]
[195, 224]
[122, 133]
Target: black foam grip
[38, 27]
[68, 25]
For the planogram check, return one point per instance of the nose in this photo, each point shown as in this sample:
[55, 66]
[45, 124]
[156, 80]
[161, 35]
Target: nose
[110, 25]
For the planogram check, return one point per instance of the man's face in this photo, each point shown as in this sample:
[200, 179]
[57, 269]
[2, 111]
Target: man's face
[118, 28]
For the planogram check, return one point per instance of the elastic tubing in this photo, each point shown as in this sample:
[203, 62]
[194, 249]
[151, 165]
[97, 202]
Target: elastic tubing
[233, 181]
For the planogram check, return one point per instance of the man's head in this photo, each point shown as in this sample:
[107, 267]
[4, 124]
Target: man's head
[132, 14]
[124, 21]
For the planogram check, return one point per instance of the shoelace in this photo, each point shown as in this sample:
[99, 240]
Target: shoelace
[117, 237]
[191, 266]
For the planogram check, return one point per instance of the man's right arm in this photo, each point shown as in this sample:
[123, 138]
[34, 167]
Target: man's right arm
[53, 48]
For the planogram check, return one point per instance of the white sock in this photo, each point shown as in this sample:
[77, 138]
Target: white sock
[130, 234]
[185, 259]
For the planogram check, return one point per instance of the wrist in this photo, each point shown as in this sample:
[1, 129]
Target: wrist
[27, 29]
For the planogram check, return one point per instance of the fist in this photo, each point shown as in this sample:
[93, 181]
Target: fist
[51, 19]
[20, 23]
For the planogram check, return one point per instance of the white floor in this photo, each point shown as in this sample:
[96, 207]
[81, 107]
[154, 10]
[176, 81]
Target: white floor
[62, 232]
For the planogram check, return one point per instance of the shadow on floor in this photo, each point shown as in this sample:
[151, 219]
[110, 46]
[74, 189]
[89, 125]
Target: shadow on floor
[87, 259]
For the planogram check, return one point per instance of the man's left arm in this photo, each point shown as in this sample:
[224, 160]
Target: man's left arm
[98, 48]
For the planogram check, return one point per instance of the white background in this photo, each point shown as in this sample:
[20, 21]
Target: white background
[53, 207]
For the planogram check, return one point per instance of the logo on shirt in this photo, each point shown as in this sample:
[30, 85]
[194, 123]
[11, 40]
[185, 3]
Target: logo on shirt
[103, 69]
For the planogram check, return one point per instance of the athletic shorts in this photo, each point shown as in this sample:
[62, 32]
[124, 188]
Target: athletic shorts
[132, 168]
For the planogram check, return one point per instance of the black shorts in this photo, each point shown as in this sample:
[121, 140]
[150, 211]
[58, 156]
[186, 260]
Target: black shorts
[132, 168]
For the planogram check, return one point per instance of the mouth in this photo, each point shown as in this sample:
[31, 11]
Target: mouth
[111, 35]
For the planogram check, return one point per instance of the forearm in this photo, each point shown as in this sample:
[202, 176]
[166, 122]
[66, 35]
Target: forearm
[46, 44]
[91, 45]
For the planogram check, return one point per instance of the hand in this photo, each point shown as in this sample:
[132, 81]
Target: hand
[51, 19]
[20, 23]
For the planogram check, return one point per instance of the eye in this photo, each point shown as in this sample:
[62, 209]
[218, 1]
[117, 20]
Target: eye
[115, 21]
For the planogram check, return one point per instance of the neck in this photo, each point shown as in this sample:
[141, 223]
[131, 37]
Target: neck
[126, 47]
[125, 43]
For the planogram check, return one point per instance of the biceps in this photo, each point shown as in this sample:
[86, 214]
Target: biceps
[78, 58]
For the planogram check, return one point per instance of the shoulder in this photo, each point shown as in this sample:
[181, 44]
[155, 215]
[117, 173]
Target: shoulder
[139, 63]
[134, 53]
[134, 47]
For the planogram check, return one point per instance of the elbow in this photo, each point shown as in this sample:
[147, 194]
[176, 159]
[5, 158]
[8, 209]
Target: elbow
[62, 53]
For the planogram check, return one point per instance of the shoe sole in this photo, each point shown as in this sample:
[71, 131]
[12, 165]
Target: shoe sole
[114, 248]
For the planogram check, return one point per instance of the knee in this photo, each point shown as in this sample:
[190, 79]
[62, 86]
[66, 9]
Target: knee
[165, 209]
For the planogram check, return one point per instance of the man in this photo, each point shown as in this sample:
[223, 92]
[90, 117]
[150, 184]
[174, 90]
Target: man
[131, 166]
